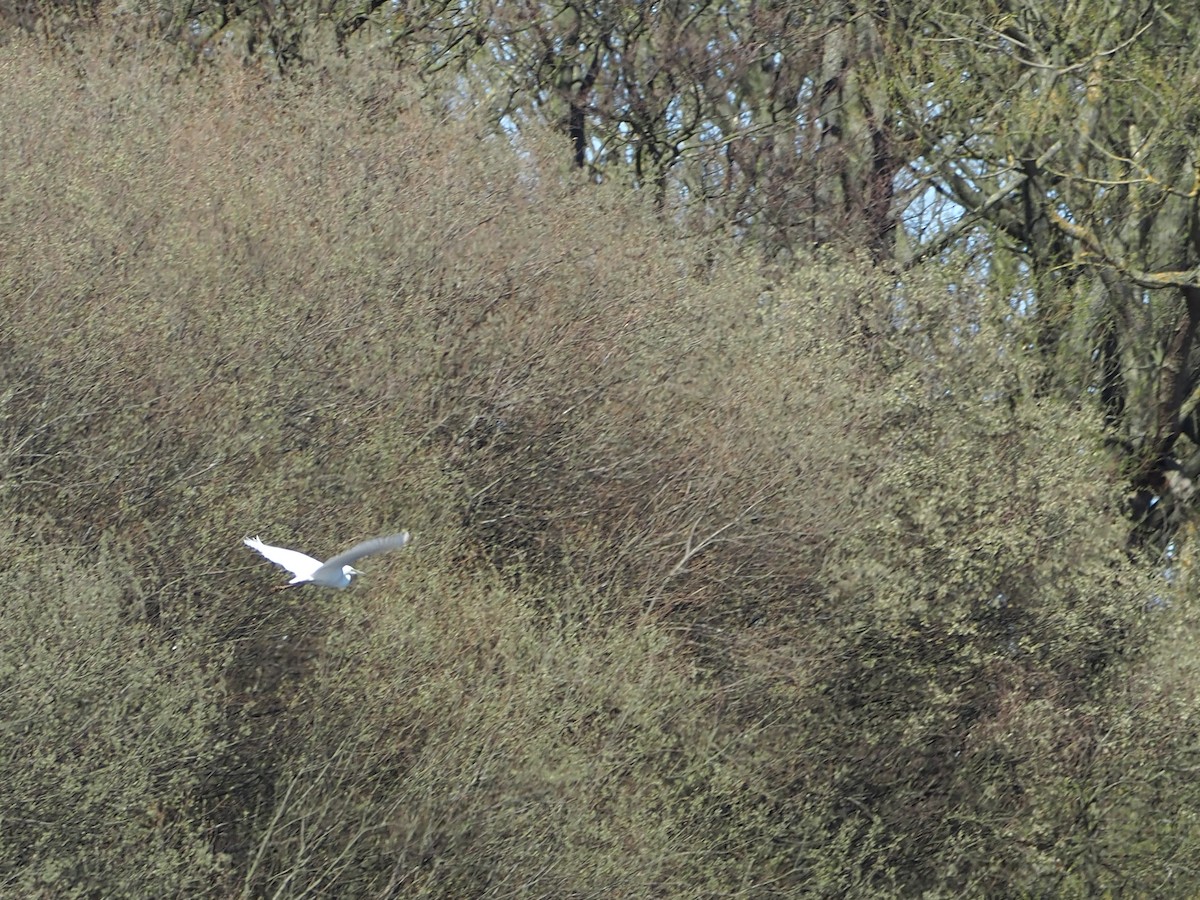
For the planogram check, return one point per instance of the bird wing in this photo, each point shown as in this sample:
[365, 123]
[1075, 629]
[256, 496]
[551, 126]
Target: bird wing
[358, 551]
[293, 560]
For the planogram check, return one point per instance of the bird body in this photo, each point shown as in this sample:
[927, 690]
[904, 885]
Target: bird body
[334, 573]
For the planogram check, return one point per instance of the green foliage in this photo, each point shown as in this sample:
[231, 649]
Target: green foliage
[720, 584]
[1073, 128]
[108, 729]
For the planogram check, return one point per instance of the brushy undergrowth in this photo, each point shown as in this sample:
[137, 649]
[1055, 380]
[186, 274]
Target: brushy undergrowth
[719, 586]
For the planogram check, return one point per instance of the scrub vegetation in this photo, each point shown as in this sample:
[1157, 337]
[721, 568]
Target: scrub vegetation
[732, 574]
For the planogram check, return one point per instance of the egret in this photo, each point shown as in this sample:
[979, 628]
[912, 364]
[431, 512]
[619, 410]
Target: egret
[336, 572]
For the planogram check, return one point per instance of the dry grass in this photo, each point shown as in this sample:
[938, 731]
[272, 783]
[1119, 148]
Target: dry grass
[703, 595]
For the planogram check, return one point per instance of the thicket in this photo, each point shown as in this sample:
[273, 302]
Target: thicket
[720, 584]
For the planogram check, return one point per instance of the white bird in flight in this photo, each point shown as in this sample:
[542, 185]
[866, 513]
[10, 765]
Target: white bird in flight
[335, 573]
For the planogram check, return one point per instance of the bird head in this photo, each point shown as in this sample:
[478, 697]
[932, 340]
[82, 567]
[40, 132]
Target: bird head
[350, 571]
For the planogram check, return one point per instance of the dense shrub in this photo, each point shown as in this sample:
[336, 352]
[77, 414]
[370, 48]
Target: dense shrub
[107, 728]
[719, 584]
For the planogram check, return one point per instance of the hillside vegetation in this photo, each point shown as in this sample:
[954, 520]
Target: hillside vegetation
[723, 583]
